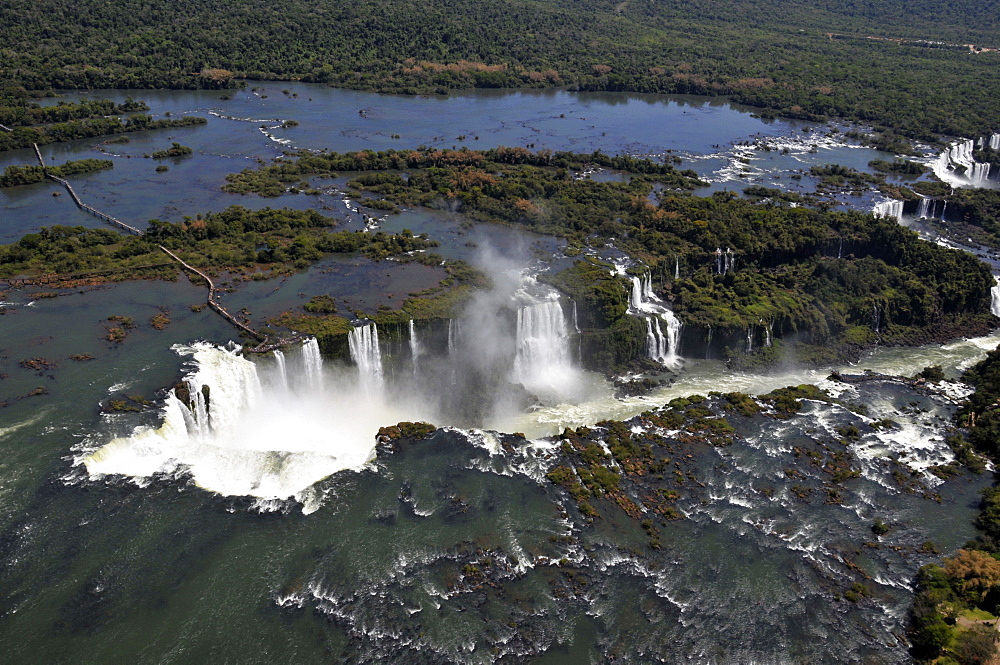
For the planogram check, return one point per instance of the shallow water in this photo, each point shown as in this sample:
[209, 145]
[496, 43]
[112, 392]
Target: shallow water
[711, 136]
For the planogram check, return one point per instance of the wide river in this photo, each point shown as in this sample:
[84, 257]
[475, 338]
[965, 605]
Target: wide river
[277, 537]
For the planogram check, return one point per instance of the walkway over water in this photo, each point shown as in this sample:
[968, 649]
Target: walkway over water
[94, 211]
[266, 344]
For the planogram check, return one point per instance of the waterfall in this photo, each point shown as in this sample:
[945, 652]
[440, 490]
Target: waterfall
[654, 341]
[995, 295]
[980, 171]
[927, 209]
[576, 324]
[957, 165]
[312, 364]
[647, 288]
[923, 208]
[635, 301]
[995, 142]
[661, 347]
[749, 339]
[768, 340]
[840, 248]
[279, 359]
[677, 267]
[219, 391]
[233, 431]
[876, 323]
[960, 153]
[415, 349]
[543, 362]
[366, 354]
[889, 208]
[708, 343]
[718, 260]
[673, 341]
[451, 337]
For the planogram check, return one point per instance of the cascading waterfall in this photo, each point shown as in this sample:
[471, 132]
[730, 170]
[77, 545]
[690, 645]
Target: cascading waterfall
[768, 339]
[647, 288]
[957, 164]
[219, 391]
[655, 341]
[889, 208]
[673, 339]
[236, 431]
[415, 349]
[750, 339]
[725, 261]
[312, 364]
[366, 354]
[635, 300]
[279, 359]
[677, 267]
[661, 347]
[995, 297]
[543, 362]
[995, 141]
[923, 208]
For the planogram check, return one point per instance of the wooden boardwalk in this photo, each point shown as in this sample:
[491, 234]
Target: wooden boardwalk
[266, 344]
[6, 128]
[94, 211]
[212, 302]
[80, 204]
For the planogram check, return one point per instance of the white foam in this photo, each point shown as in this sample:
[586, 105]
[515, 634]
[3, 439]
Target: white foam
[248, 440]
[10, 429]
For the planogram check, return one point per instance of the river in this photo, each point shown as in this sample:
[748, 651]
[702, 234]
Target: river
[279, 535]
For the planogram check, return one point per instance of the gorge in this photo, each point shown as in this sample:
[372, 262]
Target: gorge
[291, 500]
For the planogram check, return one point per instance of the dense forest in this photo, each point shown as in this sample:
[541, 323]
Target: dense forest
[905, 66]
[829, 280]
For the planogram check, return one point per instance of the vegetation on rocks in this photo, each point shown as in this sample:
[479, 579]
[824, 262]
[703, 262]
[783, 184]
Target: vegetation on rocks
[23, 137]
[26, 175]
[835, 282]
[175, 150]
[235, 238]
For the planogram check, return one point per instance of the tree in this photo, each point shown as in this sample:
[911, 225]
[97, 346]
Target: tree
[976, 571]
